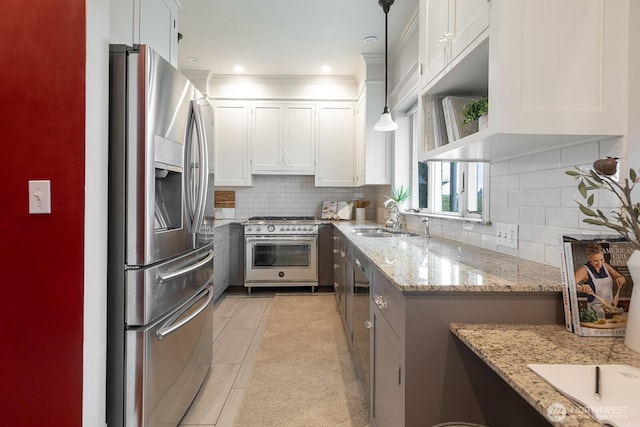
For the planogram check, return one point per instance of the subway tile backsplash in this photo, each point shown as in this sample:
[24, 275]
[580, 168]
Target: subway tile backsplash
[534, 192]
[290, 195]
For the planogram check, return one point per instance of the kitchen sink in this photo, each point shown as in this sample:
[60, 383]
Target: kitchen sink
[381, 232]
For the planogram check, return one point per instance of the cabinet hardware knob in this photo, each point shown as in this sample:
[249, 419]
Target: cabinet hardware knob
[368, 324]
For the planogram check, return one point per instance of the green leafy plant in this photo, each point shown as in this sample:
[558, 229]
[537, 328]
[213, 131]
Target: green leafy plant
[400, 194]
[474, 109]
[625, 220]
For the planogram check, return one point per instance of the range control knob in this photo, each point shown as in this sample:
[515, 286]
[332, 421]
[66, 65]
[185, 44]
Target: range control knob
[271, 228]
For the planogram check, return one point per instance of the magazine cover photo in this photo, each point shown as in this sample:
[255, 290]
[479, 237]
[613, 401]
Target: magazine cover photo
[603, 285]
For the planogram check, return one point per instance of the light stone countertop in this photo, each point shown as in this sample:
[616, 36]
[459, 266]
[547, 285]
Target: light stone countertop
[507, 349]
[417, 264]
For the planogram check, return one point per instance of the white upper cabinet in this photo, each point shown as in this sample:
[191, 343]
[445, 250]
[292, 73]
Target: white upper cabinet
[335, 151]
[283, 138]
[150, 22]
[554, 72]
[449, 28]
[231, 143]
[373, 148]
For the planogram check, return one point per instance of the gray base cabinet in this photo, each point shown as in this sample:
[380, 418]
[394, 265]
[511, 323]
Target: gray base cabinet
[386, 367]
[236, 255]
[325, 256]
[221, 261]
[419, 378]
[343, 281]
[228, 264]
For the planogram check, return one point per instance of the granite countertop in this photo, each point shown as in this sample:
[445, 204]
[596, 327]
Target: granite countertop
[507, 349]
[417, 264]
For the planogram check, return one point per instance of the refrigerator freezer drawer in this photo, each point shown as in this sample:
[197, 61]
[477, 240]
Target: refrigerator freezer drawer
[167, 362]
[154, 291]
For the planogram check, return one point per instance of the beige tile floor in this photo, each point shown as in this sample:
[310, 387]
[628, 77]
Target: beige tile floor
[238, 322]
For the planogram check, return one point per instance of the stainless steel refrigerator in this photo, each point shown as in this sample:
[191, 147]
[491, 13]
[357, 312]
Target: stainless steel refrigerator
[160, 275]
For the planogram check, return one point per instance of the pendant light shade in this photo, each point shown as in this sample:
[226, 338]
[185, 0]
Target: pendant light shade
[385, 123]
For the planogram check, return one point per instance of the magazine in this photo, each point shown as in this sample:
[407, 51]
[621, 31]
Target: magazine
[619, 390]
[596, 283]
[452, 107]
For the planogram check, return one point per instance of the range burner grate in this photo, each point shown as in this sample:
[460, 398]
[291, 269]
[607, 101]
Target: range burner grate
[282, 218]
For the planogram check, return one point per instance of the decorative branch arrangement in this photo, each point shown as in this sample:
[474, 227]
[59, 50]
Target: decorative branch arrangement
[624, 221]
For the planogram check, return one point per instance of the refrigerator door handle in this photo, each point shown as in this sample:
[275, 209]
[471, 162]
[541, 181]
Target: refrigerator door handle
[196, 202]
[203, 166]
[170, 326]
[168, 276]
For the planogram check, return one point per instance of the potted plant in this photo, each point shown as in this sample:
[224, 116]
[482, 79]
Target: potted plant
[400, 194]
[624, 221]
[476, 109]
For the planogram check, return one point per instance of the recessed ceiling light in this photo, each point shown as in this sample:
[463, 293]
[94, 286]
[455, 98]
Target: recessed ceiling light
[238, 69]
[193, 59]
[370, 39]
[326, 69]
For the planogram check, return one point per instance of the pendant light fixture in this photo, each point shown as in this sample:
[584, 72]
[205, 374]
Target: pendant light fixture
[385, 123]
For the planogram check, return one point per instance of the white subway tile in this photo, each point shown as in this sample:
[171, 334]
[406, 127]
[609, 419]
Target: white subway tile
[500, 168]
[532, 180]
[532, 251]
[532, 215]
[544, 197]
[546, 160]
[579, 154]
[558, 178]
[508, 214]
[520, 165]
[562, 217]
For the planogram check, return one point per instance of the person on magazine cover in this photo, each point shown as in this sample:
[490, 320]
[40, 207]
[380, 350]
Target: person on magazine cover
[597, 277]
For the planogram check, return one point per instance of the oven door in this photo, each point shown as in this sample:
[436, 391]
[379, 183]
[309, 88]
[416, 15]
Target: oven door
[276, 259]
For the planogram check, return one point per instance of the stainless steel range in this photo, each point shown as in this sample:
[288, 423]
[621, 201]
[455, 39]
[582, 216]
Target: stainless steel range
[281, 251]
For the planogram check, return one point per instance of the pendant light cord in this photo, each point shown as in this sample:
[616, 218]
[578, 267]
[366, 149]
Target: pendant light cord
[386, 41]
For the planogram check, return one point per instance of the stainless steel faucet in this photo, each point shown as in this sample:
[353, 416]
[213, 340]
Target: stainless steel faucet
[394, 215]
[425, 221]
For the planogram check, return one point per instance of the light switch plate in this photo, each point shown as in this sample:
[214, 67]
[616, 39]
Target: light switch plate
[507, 235]
[40, 197]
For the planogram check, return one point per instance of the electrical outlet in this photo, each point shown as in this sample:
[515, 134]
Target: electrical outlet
[507, 235]
[40, 197]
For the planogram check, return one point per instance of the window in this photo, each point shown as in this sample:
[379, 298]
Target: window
[455, 189]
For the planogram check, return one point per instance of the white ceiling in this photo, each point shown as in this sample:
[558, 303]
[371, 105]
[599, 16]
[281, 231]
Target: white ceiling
[285, 37]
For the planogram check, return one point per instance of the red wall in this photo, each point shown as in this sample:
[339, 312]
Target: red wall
[42, 108]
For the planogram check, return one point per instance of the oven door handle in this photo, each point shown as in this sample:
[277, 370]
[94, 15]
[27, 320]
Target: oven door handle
[287, 239]
[170, 327]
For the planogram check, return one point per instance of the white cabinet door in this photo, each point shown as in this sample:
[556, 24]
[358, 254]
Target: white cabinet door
[300, 139]
[467, 19]
[436, 43]
[283, 138]
[377, 144]
[266, 145]
[451, 27]
[373, 148]
[231, 142]
[150, 22]
[361, 130]
[336, 143]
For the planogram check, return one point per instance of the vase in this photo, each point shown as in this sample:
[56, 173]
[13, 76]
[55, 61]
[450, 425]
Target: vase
[632, 333]
[483, 121]
[360, 214]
